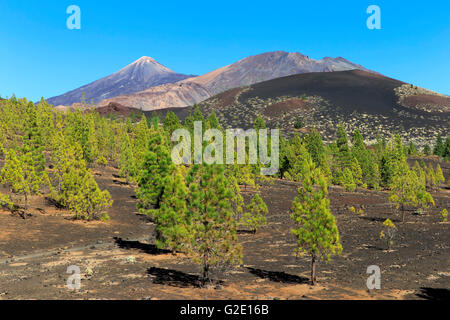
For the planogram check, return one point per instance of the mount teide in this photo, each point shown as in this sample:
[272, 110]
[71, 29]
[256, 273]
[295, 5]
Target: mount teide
[140, 75]
[248, 71]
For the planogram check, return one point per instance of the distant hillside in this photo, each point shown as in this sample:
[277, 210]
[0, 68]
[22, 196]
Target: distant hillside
[245, 72]
[371, 102]
[140, 75]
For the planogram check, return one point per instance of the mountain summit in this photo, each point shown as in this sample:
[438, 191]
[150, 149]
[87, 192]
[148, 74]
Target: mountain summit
[245, 72]
[143, 73]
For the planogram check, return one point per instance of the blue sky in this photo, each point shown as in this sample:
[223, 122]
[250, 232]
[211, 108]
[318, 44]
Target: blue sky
[39, 56]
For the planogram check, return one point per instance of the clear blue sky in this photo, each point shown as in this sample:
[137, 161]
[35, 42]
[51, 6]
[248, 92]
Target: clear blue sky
[39, 56]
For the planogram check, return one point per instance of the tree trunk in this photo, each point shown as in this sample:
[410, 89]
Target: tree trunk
[403, 213]
[205, 277]
[313, 269]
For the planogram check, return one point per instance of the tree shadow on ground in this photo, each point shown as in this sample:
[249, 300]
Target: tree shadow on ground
[378, 219]
[277, 276]
[144, 247]
[174, 278]
[434, 294]
[245, 232]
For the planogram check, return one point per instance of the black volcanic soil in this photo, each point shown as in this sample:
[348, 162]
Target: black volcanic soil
[118, 259]
[357, 99]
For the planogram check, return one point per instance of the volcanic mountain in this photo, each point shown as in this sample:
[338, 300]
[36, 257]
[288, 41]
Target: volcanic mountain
[138, 76]
[358, 99]
[245, 72]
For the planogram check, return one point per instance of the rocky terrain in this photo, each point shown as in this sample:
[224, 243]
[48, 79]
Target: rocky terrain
[245, 72]
[358, 99]
[119, 260]
[140, 75]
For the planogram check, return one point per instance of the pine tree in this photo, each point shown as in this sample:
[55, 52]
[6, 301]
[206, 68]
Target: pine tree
[76, 188]
[314, 145]
[140, 141]
[407, 190]
[344, 150]
[213, 122]
[316, 230]
[447, 148]
[439, 175]
[431, 180]
[157, 166]
[213, 227]
[86, 200]
[347, 180]
[127, 162]
[255, 216]
[356, 172]
[259, 123]
[412, 150]
[172, 219]
[439, 147]
[426, 150]
[19, 174]
[171, 122]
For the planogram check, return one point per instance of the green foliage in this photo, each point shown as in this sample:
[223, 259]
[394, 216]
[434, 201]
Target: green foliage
[298, 124]
[347, 180]
[172, 218]
[74, 186]
[393, 157]
[439, 147]
[315, 227]
[388, 233]
[427, 150]
[412, 150]
[213, 227]
[127, 162]
[407, 190]
[212, 121]
[259, 123]
[156, 168]
[171, 122]
[444, 215]
[254, 217]
[19, 174]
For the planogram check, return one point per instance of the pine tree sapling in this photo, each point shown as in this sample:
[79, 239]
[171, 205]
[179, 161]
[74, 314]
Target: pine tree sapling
[255, 216]
[407, 190]
[444, 215]
[315, 226]
[388, 233]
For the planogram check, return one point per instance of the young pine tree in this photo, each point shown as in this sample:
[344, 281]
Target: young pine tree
[127, 162]
[255, 216]
[172, 219]
[19, 174]
[213, 227]
[439, 175]
[407, 190]
[157, 166]
[315, 226]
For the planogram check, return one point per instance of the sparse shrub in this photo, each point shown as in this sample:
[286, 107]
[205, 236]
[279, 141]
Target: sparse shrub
[101, 161]
[444, 215]
[298, 124]
[388, 233]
